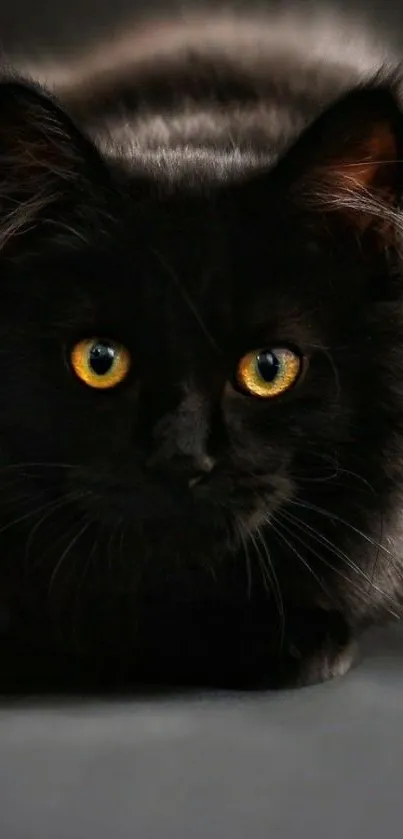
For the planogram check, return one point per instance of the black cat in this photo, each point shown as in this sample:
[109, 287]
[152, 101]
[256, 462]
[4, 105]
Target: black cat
[201, 422]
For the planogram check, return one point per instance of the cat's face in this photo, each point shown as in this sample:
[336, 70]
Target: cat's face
[189, 366]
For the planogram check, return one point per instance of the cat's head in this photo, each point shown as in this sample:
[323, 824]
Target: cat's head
[189, 366]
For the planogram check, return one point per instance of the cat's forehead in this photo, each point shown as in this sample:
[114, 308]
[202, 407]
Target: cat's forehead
[171, 280]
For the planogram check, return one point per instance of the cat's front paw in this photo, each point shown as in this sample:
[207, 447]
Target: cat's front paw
[328, 662]
[321, 648]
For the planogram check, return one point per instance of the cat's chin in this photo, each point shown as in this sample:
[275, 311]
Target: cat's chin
[158, 502]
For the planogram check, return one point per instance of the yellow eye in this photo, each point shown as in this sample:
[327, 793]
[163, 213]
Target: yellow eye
[268, 372]
[100, 363]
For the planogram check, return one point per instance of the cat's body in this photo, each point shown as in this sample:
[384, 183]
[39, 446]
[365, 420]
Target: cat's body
[179, 524]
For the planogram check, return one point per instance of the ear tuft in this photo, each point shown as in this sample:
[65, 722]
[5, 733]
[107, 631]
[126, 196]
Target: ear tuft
[352, 160]
[42, 159]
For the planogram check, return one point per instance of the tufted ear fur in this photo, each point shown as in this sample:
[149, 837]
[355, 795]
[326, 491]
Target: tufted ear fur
[44, 162]
[350, 161]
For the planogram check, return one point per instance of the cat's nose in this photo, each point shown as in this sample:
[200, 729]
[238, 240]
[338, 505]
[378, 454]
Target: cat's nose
[188, 470]
[205, 466]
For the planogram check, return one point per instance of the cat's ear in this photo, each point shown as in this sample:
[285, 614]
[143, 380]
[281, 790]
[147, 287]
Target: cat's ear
[350, 161]
[43, 161]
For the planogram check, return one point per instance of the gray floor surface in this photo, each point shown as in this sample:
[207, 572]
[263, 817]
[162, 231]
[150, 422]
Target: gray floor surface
[321, 762]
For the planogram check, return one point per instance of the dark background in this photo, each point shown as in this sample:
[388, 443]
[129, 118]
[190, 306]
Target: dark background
[53, 23]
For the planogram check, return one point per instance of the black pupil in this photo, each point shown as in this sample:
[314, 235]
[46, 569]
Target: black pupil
[268, 365]
[102, 356]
